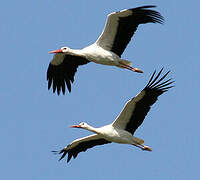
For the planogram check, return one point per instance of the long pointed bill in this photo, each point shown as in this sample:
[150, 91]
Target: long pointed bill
[56, 51]
[75, 126]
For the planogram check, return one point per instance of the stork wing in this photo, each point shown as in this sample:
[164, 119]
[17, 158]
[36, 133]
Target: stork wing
[137, 108]
[61, 71]
[81, 145]
[121, 26]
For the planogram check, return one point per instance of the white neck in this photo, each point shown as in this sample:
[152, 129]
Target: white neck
[75, 52]
[92, 129]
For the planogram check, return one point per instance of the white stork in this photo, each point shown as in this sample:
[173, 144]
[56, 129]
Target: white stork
[107, 50]
[125, 125]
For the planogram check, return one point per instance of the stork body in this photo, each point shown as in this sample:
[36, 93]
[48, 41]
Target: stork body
[123, 128]
[107, 49]
[101, 56]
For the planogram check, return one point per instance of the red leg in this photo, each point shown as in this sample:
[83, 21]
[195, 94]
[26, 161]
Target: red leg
[144, 148]
[130, 68]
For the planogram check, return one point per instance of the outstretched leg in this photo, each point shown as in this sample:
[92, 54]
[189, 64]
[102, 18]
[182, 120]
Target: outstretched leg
[143, 147]
[146, 148]
[123, 65]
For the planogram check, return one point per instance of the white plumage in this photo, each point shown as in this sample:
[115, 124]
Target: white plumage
[107, 50]
[125, 125]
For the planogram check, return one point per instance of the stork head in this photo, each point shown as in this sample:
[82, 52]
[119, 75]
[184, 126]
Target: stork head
[61, 50]
[81, 125]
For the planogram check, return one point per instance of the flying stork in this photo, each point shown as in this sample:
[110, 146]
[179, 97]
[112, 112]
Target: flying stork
[125, 125]
[107, 49]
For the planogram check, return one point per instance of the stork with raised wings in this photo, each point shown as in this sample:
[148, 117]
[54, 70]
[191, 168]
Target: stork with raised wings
[107, 50]
[125, 125]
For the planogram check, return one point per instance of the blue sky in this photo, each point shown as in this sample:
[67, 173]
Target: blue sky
[34, 121]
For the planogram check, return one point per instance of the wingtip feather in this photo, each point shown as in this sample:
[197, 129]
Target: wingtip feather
[163, 86]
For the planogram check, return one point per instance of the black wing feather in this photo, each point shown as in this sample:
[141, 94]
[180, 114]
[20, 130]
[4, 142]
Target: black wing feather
[128, 25]
[81, 147]
[64, 73]
[152, 91]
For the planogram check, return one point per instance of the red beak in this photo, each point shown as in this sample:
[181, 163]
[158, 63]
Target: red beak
[56, 51]
[75, 126]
